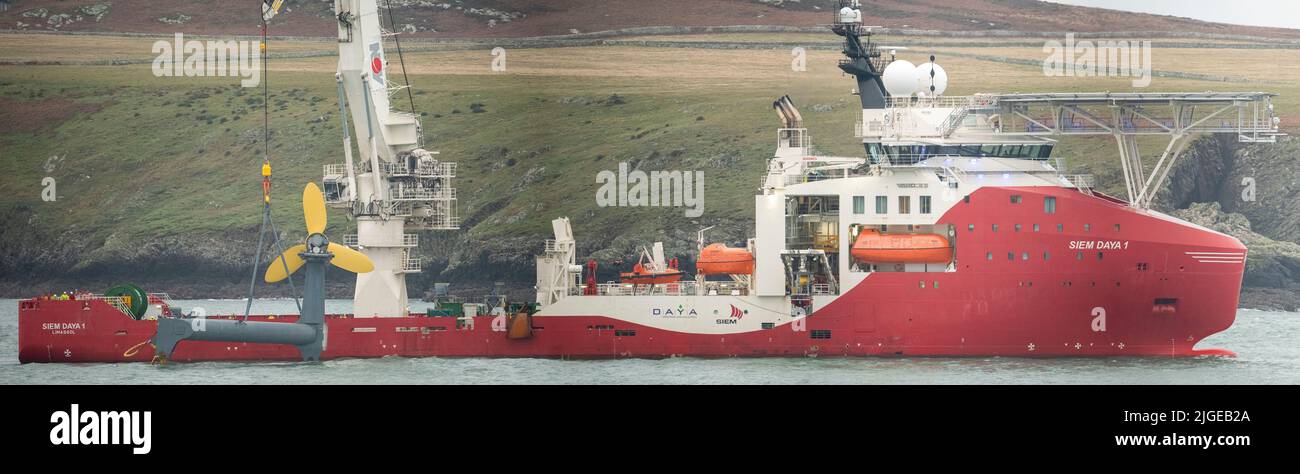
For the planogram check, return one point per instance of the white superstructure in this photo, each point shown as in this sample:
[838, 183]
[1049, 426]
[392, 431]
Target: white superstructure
[394, 185]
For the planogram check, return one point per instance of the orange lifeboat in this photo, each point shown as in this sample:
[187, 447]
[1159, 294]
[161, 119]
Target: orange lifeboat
[873, 247]
[718, 259]
[640, 275]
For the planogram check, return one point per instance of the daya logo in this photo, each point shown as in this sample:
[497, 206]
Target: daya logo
[128, 428]
[678, 312]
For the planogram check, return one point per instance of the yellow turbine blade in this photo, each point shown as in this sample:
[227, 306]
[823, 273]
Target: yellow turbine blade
[275, 271]
[350, 260]
[313, 209]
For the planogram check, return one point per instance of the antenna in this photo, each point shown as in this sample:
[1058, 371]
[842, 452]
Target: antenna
[931, 74]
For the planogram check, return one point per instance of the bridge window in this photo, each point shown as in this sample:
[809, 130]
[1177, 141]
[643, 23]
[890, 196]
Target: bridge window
[1015, 199]
[1049, 205]
[859, 204]
[925, 204]
[904, 204]
[882, 204]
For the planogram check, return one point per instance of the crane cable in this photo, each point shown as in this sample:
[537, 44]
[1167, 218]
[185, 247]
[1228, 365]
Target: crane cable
[392, 24]
[268, 10]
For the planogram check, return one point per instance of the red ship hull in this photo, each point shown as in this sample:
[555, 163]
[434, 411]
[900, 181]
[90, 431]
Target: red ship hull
[1153, 294]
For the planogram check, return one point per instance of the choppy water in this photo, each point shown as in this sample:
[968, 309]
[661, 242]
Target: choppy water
[1268, 344]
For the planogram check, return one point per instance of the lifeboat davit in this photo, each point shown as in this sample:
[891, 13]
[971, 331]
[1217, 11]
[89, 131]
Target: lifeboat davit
[719, 259]
[873, 247]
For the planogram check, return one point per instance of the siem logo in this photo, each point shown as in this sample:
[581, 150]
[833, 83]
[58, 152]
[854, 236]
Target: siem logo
[130, 428]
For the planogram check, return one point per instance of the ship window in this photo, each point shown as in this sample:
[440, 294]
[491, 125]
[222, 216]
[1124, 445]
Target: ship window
[1035, 227]
[1099, 255]
[904, 204]
[1011, 256]
[820, 334]
[1087, 227]
[1078, 256]
[1045, 256]
[1024, 256]
[966, 199]
[882, 204]
[922, 283]
[990, 255]
[1017, 227]
[1015, 199]
[859, 204]
[925, 205]
[970, 227]
[995, 227]
[624, 332]
[935, 285]
[769, 325]
[1049, 205]
[1116, 227]
[1060, 227]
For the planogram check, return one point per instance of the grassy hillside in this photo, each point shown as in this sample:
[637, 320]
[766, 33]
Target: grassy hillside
[159, 176]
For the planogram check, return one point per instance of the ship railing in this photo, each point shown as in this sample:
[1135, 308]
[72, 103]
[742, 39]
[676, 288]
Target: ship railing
[336, 169]
[1082, 182]
[947, 102]
[422, 194]
[408, 240]
[872, 128]
[794, 138]
[434, 170]
[821, 289]
[117, 302]
[411, 265]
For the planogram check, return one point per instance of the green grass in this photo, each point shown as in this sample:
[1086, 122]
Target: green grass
[152, 157]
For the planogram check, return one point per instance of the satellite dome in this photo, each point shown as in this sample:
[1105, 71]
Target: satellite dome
[900, 78]
[846, 15]
[923, 79]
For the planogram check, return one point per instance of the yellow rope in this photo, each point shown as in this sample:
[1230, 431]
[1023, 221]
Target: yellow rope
[134, 349]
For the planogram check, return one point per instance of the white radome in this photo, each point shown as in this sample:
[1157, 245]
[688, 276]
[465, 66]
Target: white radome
[900, 78]
[923, 78]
